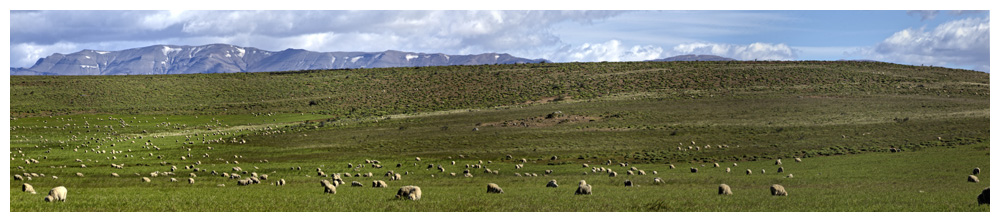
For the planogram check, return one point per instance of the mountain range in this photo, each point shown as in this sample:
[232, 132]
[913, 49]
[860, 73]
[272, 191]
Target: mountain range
[224, 58]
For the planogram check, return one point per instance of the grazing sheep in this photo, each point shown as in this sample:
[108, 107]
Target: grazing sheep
[190, 180]
[777, 162]
[984, 197]
[694, 170]
[749, 172]
[628, 183]
[18, 177]
[548, 171]
[400, 177]
[762, 171]
[728, 170]
[629, 172]
[378, 184]
[114, 174]
[193, 175]
[973, 179]
[329, 188]
[356, 184]
[778, 190]
[790, 176]
[220, 185]
[493, 188]
[641, 172]
[715, 165]
[523, 160]
[468, 174]
[725, 190]
[173, 179]
[409, 192]
[975, 171]
[27, 188]
[555, 157]
[613, 174]
[585, 165]
[57, 193]
[781, 169]
[245, 182]
[552, 183]
[657, 180]
[418, 158]
[672, 166]
[584, 189]
[798, 159]
[79, 174]
[281, 182]
[145, 179]
[264, 177]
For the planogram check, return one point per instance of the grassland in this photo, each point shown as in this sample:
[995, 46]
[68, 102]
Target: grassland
[842, 118]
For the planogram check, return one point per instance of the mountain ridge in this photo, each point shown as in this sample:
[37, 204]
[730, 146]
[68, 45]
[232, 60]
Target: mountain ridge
[226, 58]
[692, 57]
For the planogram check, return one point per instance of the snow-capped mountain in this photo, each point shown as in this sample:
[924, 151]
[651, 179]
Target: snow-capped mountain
[223, 58]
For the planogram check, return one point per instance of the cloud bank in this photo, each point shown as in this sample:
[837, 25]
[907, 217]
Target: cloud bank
[963, 42]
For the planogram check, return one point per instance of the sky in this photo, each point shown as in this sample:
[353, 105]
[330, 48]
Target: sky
[956, 39]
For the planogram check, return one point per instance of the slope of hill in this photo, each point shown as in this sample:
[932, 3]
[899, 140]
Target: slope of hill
[223, 58]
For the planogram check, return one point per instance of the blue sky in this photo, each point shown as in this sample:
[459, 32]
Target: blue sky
[958, 39]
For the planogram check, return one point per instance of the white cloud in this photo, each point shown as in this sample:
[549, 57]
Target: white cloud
[963, 42]
[757, 50]
[27, 53]
[612, 51]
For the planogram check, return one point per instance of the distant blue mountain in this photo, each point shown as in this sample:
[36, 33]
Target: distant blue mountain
[223, 58]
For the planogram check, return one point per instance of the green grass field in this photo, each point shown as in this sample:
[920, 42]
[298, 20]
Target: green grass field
[841, 118]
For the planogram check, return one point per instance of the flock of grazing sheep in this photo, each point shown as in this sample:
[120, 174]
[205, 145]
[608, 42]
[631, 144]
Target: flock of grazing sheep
[411, 192]
[247, 178]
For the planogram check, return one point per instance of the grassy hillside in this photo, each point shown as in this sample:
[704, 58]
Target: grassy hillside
[841, 118]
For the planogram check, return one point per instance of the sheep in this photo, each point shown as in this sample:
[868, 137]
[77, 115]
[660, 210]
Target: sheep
[145, 179]
[193, 175]
[27, 188]
[973, 178]
[694, 170]
[523, 160]
[778, 190]
[418, 158]
[585, 165]
[400, 177]
[114, 174]
[552, 183]
[672, 166]
[790, 176]
[629, 172]
[975, 171]
[548, 171]
[409, 192]
[657, 180]
[984, 197]
[173, 179]
[356, 184]
[57, 193]
[728, 170]
[190, 180]
[725, 190]
[468, 174]
[243, 182]
[715, 165]
[264, 177]
[555, 157]
[378, 184]
[18, 177]
[628, 183]
[584, 189]
[781, 169]
[79, 174]
[798, 159]
[493, 188]
[777, 162]
[329, 188]
[613, 174]
[749, 172]
[641, 172]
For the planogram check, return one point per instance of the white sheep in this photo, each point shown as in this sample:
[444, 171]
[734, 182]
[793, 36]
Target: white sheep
[409, 192]
[57, 193]
[27, 188]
